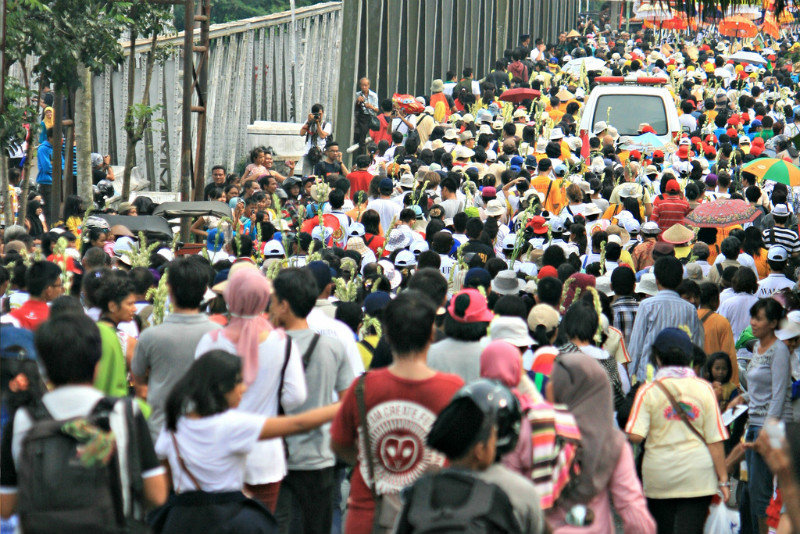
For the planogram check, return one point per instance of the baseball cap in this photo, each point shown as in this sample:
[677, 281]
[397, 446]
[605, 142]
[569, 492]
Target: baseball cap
[419, 246]
[777, 253]
[356, 230]
[405, 258]
[673, 338]
[673, 186]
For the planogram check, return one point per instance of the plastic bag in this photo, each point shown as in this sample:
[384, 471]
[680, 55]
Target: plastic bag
[721, 520]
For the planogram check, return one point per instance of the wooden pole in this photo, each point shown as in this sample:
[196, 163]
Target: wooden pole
[54, 202]
[186, 130]
[202, 97]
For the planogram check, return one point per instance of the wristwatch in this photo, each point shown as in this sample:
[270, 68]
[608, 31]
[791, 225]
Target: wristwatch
[726, 484]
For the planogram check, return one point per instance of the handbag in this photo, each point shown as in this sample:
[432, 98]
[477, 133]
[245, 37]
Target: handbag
[374, 123]
[388, 506]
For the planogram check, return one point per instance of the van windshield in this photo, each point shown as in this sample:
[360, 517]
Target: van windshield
[629, 111]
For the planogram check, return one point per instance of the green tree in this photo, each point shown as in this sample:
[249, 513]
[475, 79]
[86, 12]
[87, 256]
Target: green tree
[231, 10]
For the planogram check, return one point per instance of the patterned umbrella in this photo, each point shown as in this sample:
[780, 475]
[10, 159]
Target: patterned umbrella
[775, 170]
[721, 214]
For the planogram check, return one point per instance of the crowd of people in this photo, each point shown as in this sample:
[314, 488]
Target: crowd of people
[490, 319]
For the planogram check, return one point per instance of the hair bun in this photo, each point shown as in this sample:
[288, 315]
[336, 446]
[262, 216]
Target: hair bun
[461, 305]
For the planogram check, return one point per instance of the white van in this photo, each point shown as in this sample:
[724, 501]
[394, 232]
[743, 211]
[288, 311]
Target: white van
[631, 103]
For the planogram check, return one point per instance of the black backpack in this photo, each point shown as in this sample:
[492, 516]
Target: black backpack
[486, 508]
[57, 491]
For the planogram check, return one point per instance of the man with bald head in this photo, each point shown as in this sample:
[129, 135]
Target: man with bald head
[366, 104]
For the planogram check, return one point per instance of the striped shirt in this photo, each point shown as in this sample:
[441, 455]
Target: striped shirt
[665, 309]
[625, 309]
[670, 211]
[785, 237]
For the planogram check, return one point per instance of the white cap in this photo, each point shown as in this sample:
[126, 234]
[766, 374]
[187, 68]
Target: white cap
[274, 248]
[777, 253]
[419, 246]
[356, 230]
[405, 258]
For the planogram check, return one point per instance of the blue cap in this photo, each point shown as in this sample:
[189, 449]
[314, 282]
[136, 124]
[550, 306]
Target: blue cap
[530, 161]
[376, 301]
[755, 122]
[515, 168]
[221, 276]
[674, 338]
[517, 160]
[386, 185]
[477, 276]
[321, 272]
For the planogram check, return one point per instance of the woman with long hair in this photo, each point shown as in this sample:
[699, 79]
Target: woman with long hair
[607, 468]
[264, 353]
[34, 224]
[73, 213]
[753, 245]
[206, 442]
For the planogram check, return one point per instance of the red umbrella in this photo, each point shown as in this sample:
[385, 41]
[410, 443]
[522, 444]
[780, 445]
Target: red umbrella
[519, 94]
[721, 214]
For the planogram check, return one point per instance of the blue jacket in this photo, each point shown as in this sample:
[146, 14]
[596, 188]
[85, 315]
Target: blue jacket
[44, 156]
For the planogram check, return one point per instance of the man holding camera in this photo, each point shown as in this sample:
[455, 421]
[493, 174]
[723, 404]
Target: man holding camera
[366, 105]
[316, 130]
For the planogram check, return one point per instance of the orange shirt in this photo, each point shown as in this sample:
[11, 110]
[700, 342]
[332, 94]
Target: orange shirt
[719, 338]
[554, 199]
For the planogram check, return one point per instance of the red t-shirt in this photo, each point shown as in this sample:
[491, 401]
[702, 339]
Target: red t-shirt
[400, 414]
[359, 181]
[31, 314]
[383, 134]
[374, 242]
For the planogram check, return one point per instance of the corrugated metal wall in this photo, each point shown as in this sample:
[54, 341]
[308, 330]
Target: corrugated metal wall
[402, 45]
[249, 79]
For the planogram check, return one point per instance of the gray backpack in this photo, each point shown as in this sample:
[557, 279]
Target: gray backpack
[486, 508]
[58, 492]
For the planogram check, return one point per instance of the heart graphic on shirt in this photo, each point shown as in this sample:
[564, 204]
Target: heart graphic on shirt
[399, 453]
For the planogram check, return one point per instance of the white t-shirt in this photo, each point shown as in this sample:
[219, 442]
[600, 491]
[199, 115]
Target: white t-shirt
[214, 449]
[267, 462]
[386, 208]
[321, 323]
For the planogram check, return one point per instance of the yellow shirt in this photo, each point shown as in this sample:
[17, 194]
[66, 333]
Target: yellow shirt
[676, 464]
[366, 354]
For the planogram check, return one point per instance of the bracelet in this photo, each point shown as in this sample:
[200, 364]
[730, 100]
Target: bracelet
[726, 484]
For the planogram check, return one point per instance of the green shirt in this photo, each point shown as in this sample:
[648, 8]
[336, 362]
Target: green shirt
[111, 376]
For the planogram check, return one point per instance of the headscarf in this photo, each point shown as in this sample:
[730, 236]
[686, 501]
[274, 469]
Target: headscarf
[581, 383]
[48, 123]
[247, 295]
[502, 361]
[551, 455]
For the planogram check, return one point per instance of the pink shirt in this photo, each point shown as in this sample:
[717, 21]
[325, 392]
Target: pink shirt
[626, 490]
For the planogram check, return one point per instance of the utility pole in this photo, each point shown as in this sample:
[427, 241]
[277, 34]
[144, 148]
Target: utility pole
[201, 84]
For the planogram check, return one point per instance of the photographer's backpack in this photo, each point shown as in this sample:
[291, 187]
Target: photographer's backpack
[68, 476]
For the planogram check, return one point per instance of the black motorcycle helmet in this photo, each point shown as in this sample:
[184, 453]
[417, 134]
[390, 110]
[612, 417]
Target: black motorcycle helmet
[471, 414]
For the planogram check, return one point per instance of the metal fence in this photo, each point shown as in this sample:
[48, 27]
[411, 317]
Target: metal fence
[402, 45]
[250, 78]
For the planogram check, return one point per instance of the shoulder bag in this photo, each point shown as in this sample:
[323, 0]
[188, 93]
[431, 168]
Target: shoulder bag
[387, 507]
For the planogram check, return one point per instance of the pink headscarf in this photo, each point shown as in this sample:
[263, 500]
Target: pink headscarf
[502, 361]
[247, 295]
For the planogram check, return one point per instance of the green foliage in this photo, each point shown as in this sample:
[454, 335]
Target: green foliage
[230, 10]
[17, 112]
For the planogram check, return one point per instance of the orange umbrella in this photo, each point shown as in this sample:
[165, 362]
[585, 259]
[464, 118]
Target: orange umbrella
[785, 17]
[737, 26]
[770, 26]
[675, 23]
